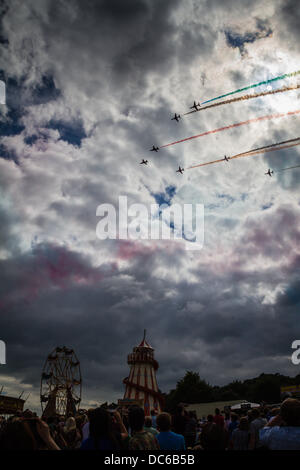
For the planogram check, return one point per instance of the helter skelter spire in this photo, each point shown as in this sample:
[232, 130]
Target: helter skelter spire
[141, 383]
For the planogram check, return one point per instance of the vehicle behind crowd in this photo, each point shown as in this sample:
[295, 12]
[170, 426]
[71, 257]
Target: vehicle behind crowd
[103, 428]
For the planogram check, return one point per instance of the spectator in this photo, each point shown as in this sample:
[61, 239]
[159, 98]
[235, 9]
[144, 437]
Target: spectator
[190, 429]
[71, 434]
[101, 435]
[227, 420]
[167, 439]
[233, 424]
[273, 414]
[218, 418]
[153, 418]
[258, 422]
[179, 420]
[86, 426]
[213, 437]
[241, 435]
[283, 431]
[140, 439]
[27, 434]
[148, 426]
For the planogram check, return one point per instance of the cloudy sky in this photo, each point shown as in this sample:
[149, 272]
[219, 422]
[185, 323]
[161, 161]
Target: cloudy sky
[91, 86]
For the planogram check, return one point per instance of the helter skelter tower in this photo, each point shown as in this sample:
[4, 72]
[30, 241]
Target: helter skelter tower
[141, 383]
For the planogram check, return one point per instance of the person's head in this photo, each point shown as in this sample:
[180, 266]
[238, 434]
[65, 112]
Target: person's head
[80, 420]
[234, 417]
[227, 415]
[148, 422]
[255, 413]
[163, 422]
[210, 418]
[152, 412]
[290, 412]
[136, 418]
[244, 424]
[28, 414]
[100, 423]
[179, 409]
[217, 411]
[70, 425]
[89, 413]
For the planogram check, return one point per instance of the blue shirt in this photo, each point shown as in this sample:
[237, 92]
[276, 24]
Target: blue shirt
[280, 437]
[169, 440]
[102, 444]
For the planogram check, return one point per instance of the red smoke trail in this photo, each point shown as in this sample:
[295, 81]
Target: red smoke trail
[244, 98]
[249, 121]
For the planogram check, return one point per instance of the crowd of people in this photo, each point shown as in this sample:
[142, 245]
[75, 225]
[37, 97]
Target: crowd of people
[104, 428]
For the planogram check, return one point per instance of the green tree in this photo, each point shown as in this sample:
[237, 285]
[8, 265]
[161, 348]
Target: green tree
[190, 389]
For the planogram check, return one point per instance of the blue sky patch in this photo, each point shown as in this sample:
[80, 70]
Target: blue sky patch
[71, 132]
[18, 96]
[166, 197]
[267, 206]
[31, 139]
[238, 40]
[8, 154]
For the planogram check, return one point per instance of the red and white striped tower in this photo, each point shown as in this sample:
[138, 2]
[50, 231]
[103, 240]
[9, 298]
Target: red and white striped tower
[141, 383]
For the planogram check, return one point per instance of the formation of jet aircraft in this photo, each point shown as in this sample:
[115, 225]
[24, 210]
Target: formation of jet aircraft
[196, 107]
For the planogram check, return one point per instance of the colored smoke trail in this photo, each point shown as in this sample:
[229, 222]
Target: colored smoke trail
[231, 126]
[250, 153]
[281, 147]
[270, 80]
[267, 146]
[289, 168]
[245, 97]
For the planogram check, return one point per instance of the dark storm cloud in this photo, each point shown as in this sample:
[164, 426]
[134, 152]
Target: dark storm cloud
[3, 10]
[54, 297]
[291, 295]
[8, 238]
[121, 44]
[290, 14]
[128, 35]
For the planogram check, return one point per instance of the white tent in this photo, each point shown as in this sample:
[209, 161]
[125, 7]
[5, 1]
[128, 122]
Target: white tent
[244, 405]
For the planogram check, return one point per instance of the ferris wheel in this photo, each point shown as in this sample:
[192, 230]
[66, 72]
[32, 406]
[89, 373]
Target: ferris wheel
[61, 383]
